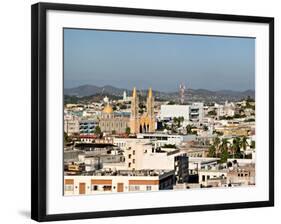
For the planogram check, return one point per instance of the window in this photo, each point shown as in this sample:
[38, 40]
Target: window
[148, 188]
[129, 165]
[134, 152]
[95, 187]
[134, 188]
[107, 187]
[133, 160]
[203, 177]
[130, 156]
[68, 187]
[208, 177]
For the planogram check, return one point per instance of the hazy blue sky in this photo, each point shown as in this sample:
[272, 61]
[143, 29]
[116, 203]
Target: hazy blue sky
[160, 61]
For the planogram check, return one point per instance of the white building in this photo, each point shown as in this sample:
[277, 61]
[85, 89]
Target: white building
[226, 110]
[196, 112]
[140, 154]
[201, 163]
[171, 111]
[161, 139]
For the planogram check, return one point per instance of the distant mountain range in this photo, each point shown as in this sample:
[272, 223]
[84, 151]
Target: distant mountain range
[190, 94]
[89, 90]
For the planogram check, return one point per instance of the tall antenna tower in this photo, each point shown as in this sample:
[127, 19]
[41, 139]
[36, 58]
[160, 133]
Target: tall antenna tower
[181, 93]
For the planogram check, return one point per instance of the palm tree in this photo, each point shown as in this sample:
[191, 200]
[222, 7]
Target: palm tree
[189, 129]
[216, 144]
[236, 145]
[244, 144]
[181, 119]
[224, 144]
[223, 150]
[253, 144]
[212, 151]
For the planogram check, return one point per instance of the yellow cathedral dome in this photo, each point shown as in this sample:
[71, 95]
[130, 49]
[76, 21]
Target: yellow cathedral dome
[108, 109]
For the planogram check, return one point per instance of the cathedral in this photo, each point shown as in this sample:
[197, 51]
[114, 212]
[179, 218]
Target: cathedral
[145, 122]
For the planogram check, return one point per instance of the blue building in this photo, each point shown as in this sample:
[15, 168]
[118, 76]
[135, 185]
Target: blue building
[87, 126]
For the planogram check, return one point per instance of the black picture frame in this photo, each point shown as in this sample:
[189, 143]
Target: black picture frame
[38, 108]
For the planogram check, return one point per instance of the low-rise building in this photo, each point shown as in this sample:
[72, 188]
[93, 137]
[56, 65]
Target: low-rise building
[242, 176]
[170, 111]
[87, 126]
[201, 163]
[119, 181]
[213, 177]
[196, 112]
[161, 139]
[71, 125]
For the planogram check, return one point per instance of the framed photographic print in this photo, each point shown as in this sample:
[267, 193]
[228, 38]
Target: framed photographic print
[140, 111]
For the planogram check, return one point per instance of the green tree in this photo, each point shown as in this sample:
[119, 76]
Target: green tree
[212, 151]
[189, 129]
[253, 144]
[181, 119]
[171, 103]
[212, 113]
[65, 137]
[244, 143]
[224, 155]
[236, 146]
[128, 130]
[175, 120]
[97, 130]
[123, 107]
[224, 144]
[216, 144]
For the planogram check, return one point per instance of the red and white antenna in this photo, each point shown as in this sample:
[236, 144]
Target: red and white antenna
[181, 92]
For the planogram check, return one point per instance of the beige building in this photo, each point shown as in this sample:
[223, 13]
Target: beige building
[112, 123]
[123, 181]
[242, 176]
[71, 125]
[213, 177]
[142, 123]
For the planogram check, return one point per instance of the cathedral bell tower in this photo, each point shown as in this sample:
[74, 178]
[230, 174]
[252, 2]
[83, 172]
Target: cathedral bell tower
[134, 119]
[150, 112]
[145, 122]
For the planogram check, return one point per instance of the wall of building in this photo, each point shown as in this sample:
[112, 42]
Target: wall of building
[171, 111]
[74, 184]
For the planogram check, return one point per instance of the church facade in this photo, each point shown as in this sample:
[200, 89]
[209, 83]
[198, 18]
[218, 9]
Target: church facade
[112, 123]
[145, 122]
